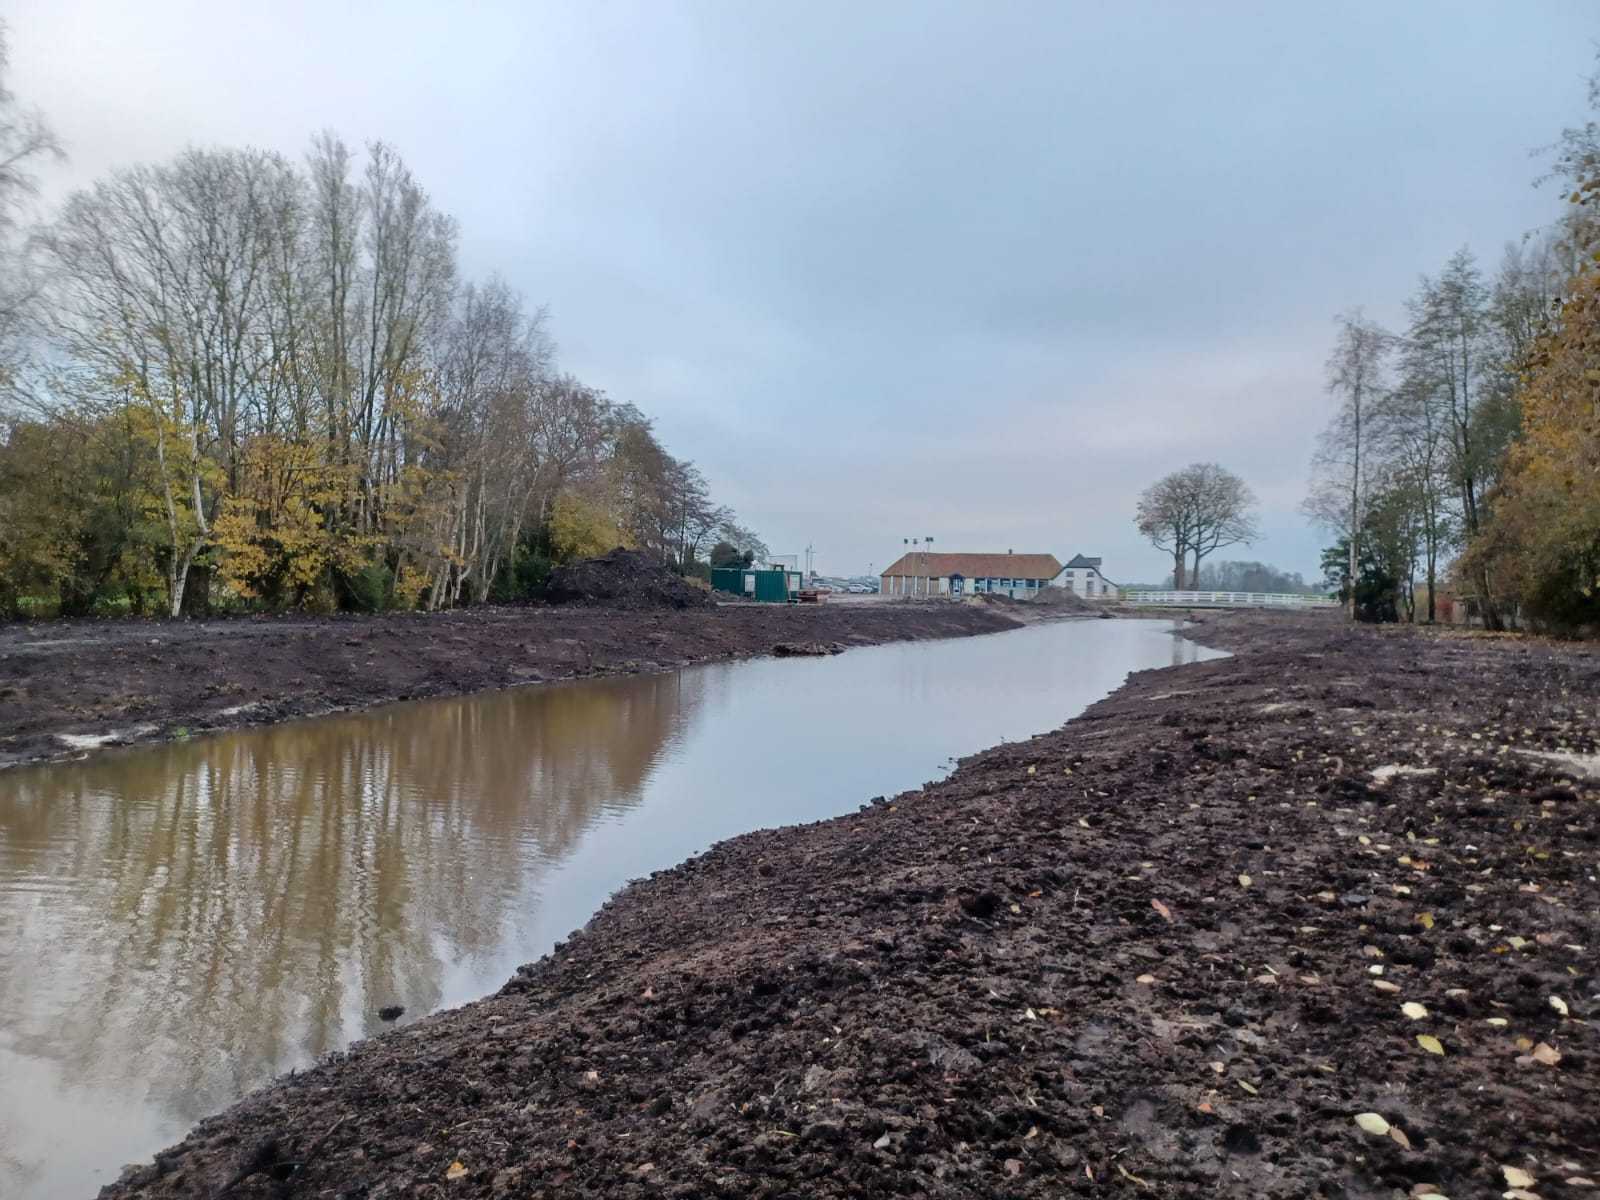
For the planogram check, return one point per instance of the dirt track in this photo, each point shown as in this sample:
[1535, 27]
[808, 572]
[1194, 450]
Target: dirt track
[1162, 952]
[67, 686]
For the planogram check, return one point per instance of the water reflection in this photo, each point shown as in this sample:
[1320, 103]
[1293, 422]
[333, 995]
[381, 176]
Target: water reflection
[179, 924]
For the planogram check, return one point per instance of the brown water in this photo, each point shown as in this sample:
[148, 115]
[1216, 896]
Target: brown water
[178, 924]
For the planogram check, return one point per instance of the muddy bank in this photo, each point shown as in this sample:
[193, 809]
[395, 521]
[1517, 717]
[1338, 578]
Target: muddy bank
[1161, 952]
[67, 687]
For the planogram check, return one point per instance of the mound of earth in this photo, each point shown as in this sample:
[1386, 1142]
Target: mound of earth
[1059, 597]
[624, 579]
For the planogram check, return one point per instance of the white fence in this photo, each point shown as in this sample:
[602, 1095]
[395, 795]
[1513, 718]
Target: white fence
[1227, 599]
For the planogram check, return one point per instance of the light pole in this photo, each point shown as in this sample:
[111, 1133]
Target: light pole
[922, 562]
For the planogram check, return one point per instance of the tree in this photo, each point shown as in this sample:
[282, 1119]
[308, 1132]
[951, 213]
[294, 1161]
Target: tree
[293, 399]
[1165, 518]
[1341, 467]
[26, 141]
[725, 554]
[1541, 541]
[1223, 511]
[1195, 512]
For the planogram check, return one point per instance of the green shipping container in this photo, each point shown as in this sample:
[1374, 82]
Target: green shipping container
[771, 587]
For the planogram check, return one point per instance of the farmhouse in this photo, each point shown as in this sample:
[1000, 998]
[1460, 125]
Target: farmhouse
[924, 573]
[1082, 576]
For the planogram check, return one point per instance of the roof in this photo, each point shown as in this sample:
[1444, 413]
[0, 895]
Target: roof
[1082, 560]
[975, 566]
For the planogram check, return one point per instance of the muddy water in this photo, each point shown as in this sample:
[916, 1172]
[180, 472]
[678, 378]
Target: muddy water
[180, 923]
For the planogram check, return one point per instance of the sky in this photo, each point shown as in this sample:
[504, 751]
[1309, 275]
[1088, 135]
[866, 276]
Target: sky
[972, 271]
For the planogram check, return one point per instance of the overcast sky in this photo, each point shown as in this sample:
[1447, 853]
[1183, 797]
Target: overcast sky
[977, 271]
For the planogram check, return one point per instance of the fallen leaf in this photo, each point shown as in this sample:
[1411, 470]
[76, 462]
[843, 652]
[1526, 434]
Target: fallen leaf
[1425, 920]
[1249, 1087]
[1398, 1136]
[1383, 985]
[1430, 1043]
[455, 1170]
[1516, 1177]
[1413, 1010]
[1218, 1067]
[1166, 913]
[1560, 1005]
[1546, 1054]
[1372, 1123]
[1244, 881]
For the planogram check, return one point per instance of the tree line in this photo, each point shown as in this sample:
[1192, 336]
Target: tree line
[1463, 456]
[237, 379]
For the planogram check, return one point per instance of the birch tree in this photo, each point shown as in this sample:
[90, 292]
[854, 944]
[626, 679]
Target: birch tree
[1341, 469]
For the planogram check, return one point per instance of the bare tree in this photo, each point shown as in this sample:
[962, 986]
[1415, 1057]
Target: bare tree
[1165, 518]
[1193, 512]
[1341, 471]
[25, 142]
[1223, 506]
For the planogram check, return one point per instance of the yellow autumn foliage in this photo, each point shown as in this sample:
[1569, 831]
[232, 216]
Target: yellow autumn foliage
[581, 528]
[1543, 542]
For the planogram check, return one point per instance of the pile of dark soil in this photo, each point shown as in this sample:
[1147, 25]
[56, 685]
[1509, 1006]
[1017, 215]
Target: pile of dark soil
[1316, 921]
[1061, 598]
[624, 579]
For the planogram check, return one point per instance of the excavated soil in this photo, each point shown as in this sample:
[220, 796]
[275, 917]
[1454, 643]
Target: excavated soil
[1161, 952]
[625, 579]
[70, 687]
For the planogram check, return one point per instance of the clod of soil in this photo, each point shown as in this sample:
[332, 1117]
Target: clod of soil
[624, 579]
[806, 649]
[1140, 956]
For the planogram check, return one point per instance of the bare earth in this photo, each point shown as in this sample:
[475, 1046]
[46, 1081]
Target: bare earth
[1169, 950]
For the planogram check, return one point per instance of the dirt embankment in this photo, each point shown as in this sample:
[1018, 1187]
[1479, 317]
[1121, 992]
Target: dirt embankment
[67, 687]
[1170, 950]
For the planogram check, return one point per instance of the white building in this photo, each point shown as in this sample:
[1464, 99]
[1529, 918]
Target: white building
[1082, 577]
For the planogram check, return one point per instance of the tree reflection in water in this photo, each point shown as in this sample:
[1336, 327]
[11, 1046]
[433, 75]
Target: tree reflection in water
[183, 922]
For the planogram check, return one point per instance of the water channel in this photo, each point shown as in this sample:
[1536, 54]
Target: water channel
[180, 923]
